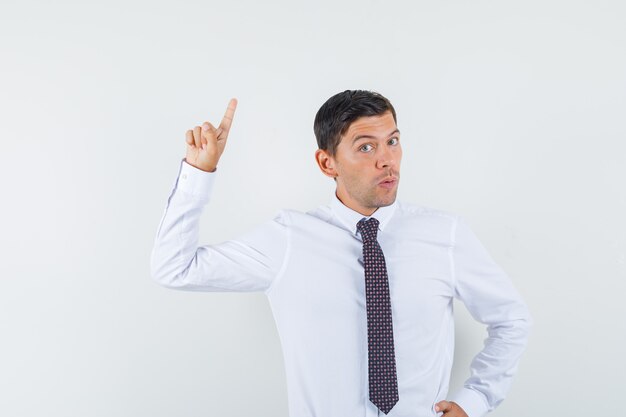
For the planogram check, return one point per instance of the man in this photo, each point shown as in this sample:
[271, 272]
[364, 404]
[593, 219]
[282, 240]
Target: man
[361, 289]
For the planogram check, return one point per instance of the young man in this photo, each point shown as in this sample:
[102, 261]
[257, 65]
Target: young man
[362, 288]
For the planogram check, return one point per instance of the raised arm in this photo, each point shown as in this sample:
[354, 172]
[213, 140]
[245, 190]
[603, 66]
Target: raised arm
[250, 262]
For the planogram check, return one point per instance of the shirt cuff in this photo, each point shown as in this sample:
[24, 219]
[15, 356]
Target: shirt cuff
[471, 401]
[194, 181]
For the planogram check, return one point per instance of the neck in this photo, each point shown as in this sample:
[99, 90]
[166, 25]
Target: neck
[346, 201]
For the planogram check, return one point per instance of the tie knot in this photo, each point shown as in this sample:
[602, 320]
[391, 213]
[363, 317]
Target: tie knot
[368, 228]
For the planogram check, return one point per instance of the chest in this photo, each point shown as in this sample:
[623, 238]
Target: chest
[328, 273]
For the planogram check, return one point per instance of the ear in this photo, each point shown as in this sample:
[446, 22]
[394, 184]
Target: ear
[326, 163]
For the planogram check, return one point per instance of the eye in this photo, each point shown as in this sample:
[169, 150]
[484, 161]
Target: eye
[364, 146]
[394, 140]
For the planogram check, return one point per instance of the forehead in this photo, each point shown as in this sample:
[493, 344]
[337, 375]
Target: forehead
[380, 125]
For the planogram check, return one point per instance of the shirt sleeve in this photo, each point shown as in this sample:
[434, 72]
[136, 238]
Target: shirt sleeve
[250, 262]
[491, 298]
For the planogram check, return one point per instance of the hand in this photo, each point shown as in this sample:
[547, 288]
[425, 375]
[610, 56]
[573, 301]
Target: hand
[205, 144]
[450, 409]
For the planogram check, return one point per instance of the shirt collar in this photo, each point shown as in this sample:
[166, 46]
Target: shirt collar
[349, 218]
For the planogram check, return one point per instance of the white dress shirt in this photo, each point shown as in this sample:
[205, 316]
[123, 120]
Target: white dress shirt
[309, 265]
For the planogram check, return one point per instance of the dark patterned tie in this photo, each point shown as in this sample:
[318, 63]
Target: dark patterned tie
[383, 381]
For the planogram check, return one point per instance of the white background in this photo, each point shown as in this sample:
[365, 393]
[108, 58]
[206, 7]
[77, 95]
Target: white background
[512, 114]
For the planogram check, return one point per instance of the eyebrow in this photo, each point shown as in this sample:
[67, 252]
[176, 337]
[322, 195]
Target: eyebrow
[372, 137]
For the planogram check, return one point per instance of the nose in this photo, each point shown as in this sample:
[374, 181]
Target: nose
[385, 159]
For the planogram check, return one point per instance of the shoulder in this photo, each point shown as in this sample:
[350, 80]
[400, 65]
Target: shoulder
[290, 216]
[409, 210]
[428, 223]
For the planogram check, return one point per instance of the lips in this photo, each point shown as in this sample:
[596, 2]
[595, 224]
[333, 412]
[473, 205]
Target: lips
[389, 182]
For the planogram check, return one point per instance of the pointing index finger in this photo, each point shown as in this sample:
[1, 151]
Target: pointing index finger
[227, 120]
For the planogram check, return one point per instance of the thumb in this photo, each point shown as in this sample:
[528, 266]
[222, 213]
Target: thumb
[443, 406]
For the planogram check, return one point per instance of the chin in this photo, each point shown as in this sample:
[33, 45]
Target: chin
[386, 201]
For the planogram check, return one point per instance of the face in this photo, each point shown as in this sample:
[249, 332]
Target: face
[366, 164]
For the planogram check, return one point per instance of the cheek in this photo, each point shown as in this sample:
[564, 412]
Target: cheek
[352, 167]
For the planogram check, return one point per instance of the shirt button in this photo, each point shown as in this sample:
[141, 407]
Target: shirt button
[184, 176]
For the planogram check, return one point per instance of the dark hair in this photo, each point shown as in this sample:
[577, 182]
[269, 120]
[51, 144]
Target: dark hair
[338, 112]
